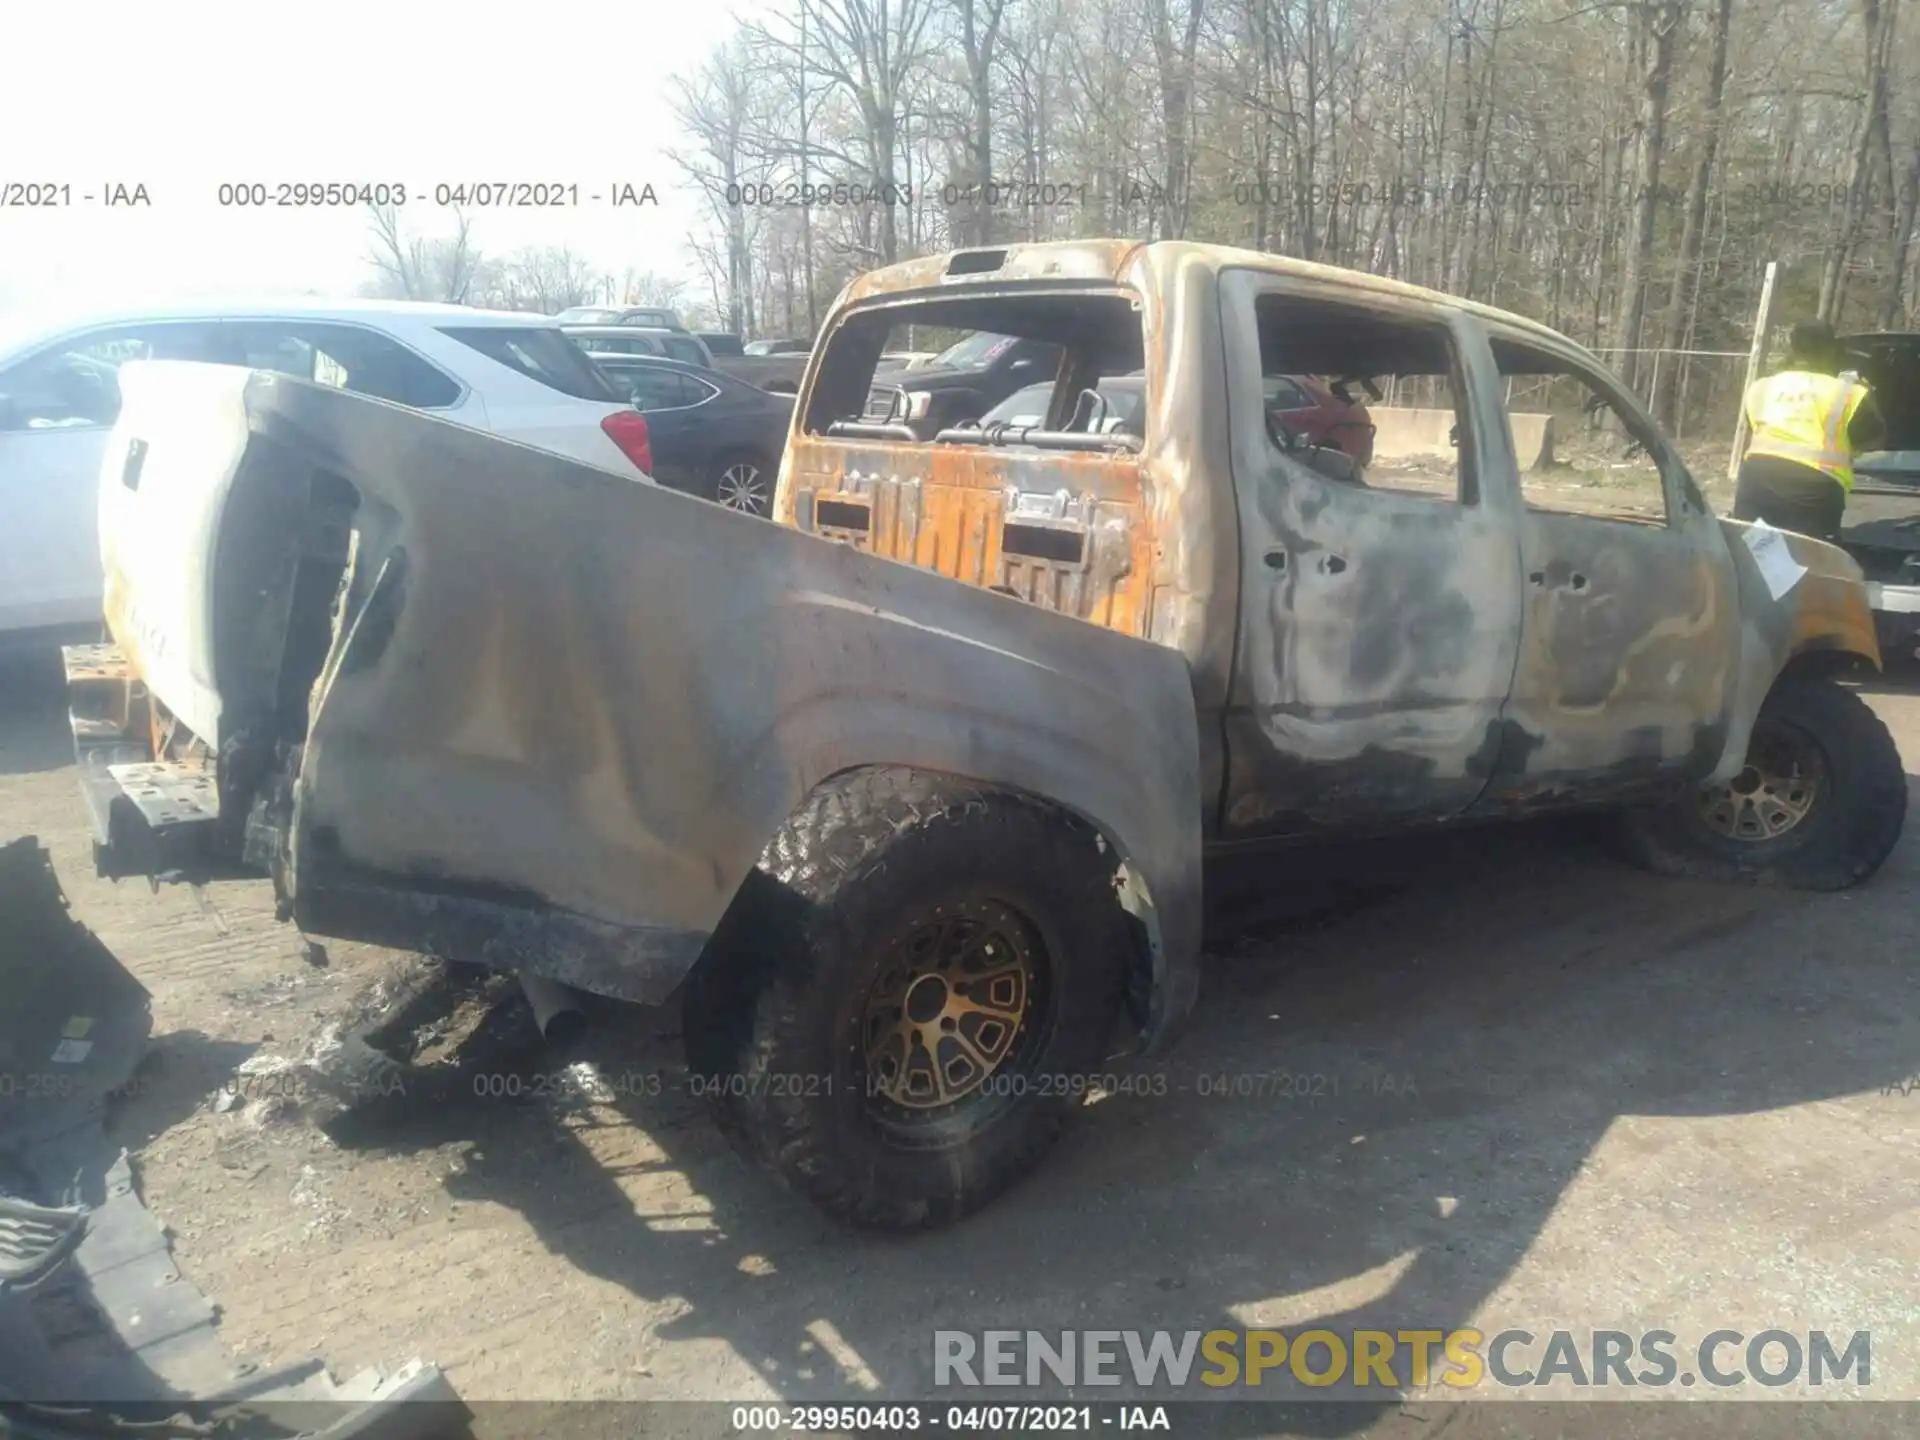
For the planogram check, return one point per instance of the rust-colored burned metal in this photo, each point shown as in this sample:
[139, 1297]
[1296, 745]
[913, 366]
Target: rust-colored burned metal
[1359, 656]
[963, 512]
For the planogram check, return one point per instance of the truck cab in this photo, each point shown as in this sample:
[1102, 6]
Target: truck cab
[1521, 604]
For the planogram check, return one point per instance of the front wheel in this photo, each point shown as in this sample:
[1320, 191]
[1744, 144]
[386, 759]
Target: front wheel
[909, 998]
[1819, 804]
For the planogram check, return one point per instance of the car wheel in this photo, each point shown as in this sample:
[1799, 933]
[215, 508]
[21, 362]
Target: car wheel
[743, 482]
[901, 1011]
[1819, 804]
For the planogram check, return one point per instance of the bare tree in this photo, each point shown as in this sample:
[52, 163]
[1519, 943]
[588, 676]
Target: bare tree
[715, 109]
[545, 279]
[1686, 274]
[1657, 25]
[1513, 152]
[871, 49]
[979, 22]
[414, 268]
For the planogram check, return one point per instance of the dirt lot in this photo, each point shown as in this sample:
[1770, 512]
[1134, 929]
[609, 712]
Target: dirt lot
[1552, 1092]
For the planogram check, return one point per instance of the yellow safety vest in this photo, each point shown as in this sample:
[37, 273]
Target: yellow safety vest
[1802, 416]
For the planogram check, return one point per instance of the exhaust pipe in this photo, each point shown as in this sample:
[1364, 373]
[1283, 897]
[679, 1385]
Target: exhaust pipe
[557, 1009]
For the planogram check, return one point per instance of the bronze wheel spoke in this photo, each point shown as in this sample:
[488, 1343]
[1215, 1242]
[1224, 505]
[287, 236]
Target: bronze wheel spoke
[1778, 788]
[952, 1007]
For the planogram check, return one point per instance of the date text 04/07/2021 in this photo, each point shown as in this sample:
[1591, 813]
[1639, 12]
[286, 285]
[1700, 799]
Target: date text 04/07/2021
[952, 1419]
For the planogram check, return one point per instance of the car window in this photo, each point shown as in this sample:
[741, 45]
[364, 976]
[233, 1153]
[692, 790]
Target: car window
[542, 355]
[976, 351]
[348, 357]
[728, 345]
[617, 344]
[1580, 449]
[76, 385]
[661, 389]
[1119, 410]
[1023, 407]
[655, 389]
[687, 350]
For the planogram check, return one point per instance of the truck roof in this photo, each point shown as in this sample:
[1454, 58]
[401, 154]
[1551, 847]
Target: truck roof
[1110, 260]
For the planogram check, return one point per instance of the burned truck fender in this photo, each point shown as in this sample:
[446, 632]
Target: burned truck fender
[1822, 619]
[559, 714]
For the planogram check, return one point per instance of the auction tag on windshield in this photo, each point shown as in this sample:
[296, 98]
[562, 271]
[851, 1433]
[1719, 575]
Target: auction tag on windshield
[1777, 566]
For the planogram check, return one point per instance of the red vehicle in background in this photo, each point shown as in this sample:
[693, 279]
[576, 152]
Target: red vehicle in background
[1305, 415]
[1322, 414]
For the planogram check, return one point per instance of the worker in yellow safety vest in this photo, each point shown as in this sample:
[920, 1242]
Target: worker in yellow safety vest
[1805, 425]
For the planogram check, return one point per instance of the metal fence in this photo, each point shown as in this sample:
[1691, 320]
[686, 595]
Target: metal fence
[1708, 387]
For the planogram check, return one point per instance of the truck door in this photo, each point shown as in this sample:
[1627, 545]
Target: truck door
[1623, 681]
[1379, 612]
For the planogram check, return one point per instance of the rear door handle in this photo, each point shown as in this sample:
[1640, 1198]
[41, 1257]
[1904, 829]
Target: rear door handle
[1575, 582]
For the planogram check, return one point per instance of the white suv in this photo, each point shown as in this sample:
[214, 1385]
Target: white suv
[513, 374]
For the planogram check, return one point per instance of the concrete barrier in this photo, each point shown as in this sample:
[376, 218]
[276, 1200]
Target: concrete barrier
[1406, 430]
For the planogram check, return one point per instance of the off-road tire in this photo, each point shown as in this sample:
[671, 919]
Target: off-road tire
[773, 1013]
[1851, 830]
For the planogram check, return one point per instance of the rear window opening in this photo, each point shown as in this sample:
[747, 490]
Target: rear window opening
[1046, 371]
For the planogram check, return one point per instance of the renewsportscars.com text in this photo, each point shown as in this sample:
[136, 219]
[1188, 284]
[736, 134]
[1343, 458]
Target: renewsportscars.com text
[1397, 1359]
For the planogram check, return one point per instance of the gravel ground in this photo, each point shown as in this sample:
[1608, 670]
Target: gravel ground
[1551, 1093]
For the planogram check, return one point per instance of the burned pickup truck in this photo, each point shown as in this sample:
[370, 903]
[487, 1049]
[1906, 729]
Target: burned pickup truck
[908, 795]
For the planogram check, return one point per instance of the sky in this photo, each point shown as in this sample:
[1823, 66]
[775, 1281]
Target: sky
[181, 96]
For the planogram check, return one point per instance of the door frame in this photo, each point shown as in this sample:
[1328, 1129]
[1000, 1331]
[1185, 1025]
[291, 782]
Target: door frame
[1411, 750]
[1615, 748]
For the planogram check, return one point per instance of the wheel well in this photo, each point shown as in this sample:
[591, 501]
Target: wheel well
[1131, 888]
[1826, 663]
[726, 455]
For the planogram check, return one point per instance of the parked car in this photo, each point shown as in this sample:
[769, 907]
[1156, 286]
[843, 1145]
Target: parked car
[779, 347]
[912, 854]
[722, 344]
[893, 360]
[1312, 411]
[1881, 528]
[779, 374]
[616, 339]
[712, 435]
[655, 316]
[965, 380]
[59, 394]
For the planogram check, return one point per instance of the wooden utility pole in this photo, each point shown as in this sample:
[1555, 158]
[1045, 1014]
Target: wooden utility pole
[1756, 357]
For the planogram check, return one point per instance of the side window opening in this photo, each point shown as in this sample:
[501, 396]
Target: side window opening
[1044, 371]
[1580, 450]
[545, 356]
[76, 385]
[346, 357]
[1364, 398]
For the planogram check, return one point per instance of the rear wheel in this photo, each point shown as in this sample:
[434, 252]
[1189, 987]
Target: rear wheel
[1818, 805]
[903, 1008]
[743, 481]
